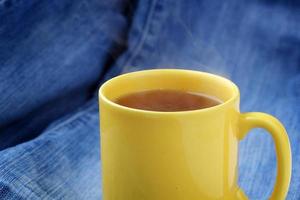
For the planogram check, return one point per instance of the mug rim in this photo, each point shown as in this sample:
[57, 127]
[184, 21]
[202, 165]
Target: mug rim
[233, 97]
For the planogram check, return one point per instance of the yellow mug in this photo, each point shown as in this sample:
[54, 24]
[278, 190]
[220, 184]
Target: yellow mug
[187, 155]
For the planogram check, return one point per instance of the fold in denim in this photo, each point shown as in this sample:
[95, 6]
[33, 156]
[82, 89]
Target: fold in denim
[52, 57]
[253, 43]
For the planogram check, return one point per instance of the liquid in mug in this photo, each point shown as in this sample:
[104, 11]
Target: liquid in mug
[164, 100]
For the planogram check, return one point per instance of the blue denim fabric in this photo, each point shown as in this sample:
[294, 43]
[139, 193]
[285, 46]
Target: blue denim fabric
[62, 163]
[253, 43]
[52, 55]
[51, 63]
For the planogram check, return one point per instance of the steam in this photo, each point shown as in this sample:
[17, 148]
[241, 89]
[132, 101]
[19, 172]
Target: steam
[181, 48]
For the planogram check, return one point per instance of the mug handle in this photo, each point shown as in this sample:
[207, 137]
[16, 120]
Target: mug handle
[282, 145]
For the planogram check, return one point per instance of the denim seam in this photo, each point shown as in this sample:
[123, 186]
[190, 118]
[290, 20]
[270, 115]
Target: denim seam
[138, 47]
[156, 21]
[152, 18]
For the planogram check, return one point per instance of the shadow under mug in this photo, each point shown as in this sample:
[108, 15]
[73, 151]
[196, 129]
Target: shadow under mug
[149, 155]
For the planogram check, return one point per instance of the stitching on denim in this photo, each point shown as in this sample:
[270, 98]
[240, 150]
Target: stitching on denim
[152, 20]
[138, 47]
[156, 21]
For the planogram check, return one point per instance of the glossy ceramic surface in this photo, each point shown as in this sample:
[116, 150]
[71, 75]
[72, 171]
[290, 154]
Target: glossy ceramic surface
[179, 155]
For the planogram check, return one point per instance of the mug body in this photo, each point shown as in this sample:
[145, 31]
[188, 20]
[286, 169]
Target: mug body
[149, 155]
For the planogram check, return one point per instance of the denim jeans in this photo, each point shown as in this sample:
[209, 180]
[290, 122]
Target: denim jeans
[55, 54]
